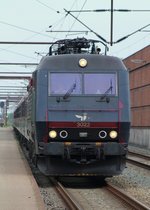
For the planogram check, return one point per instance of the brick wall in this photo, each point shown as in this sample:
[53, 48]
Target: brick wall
[138, 65]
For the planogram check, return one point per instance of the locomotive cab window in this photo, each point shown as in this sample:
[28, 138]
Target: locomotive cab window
[100, 84]
[86, 83]
[62, 83]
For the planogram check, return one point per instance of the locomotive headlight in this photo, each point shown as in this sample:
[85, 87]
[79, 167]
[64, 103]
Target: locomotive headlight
[113, 134]
[52, 134]
[82, 62]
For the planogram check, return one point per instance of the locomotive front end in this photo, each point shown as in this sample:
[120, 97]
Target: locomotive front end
[86, 115]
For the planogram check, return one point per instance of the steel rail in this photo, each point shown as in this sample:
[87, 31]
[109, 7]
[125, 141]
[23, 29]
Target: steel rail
[142, 165]
[137, 162]
[147, 157]
[67, 198]
[129, 200]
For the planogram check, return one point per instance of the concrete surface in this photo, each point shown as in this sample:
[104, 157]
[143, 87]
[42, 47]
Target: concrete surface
[18, 189]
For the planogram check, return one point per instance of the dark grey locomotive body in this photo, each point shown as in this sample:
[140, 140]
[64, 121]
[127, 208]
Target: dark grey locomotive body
[76, 118]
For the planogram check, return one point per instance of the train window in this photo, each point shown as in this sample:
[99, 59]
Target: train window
[62, 83]
[103, 83]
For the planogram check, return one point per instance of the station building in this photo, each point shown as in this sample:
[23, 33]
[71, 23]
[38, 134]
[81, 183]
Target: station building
[138, 65]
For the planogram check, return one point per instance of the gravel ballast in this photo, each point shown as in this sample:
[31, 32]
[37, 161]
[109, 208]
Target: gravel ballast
[135, 181]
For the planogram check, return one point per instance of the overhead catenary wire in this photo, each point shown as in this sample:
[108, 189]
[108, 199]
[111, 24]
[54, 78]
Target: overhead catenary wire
[125, 37]
[98, 10]
[13, 52]
[21, 28]
[119, 40]
[109, 10]
[56, 23]
[77, 16]
[82, 31]
[24, 29]
[129, 46]
[47, 6]
[62, 21]
[99, 36]
[15, 72]
[14, 86]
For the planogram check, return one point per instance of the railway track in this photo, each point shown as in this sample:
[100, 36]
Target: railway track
[70, 202]
[73, 204]
[129, 200]
[146, 157]
[140, 160]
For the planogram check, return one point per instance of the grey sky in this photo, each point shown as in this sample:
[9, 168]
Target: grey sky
[38, 15]
[28, 20]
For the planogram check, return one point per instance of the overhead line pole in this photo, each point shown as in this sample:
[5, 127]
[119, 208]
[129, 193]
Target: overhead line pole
[111, 24]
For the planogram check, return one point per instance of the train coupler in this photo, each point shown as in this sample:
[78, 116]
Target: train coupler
[82, 153]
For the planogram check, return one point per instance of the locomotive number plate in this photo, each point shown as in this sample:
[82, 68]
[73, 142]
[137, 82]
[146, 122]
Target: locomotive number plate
[83, 124]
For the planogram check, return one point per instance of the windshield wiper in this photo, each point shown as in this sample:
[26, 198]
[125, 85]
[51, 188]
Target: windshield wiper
[105, 95]
[68, 93]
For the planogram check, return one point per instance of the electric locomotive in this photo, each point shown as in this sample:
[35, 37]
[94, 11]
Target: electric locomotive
[75, 119]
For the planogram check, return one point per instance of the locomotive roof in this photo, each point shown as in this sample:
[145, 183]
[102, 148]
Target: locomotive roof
[96, 61]
[70, 51]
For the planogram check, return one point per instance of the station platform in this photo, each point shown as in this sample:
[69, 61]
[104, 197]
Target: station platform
[18, 188]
